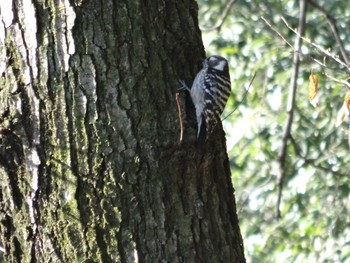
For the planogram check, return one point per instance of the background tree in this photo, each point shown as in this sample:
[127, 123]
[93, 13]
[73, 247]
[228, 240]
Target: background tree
[314, 210]
[90, 163]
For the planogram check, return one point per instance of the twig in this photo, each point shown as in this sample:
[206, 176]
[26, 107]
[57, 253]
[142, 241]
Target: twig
[324, 51]
[311, 161]
[244, 97]
[322, 64]
[242, 204]
[180, 116]
[221, 20]
[344, 82]
[278, 33]
[291, 105]
[331, 22]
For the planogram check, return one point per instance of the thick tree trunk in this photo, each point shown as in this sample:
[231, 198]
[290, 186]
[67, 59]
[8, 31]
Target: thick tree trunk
[90, 165]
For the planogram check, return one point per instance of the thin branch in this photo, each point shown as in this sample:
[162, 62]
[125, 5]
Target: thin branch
[344, 82]
[243, 204]
[180, 116]
[324, 51]
[311, 162]
[331, 22]
[291, 104]
[322, 64]
[276, 31]
[222, 19]
[244, 97]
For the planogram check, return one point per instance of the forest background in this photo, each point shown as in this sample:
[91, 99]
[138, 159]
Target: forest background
[281, 146]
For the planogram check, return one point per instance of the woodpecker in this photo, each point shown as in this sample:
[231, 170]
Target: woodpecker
[209, 93]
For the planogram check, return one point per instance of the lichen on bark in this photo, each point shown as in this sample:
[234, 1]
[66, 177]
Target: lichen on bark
[89, 156]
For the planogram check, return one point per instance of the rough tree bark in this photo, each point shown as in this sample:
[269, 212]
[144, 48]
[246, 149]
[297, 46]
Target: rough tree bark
[90, 165]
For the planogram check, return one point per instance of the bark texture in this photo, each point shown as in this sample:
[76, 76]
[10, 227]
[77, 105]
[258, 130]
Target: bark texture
[90, 165]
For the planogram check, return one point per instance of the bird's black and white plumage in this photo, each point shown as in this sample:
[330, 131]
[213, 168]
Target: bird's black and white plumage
[209, 93]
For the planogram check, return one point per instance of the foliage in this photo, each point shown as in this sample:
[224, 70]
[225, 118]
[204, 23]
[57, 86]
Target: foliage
[315, 225]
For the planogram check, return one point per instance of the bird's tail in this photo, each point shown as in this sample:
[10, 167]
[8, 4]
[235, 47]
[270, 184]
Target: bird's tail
[202, 131]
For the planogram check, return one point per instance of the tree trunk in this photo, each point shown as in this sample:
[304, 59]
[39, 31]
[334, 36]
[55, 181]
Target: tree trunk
[91, 169]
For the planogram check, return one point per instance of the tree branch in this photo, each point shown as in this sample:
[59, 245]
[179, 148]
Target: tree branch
[324, 51]
[312, 162]
[344, 82]
[276, 31]
[244, 97]
[291, 103]
[222, 19]
[331, 22]
[322, 64]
